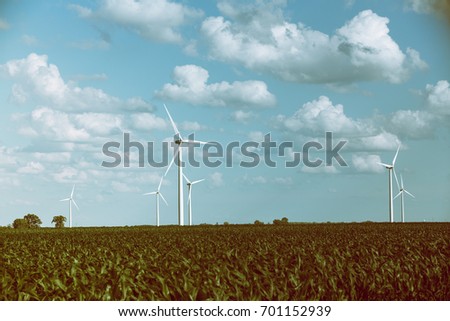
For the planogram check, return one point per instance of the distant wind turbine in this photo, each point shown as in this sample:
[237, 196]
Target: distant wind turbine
[180, 142]
[403, 191]
[189, 185]
[158, 194]
[391, 168]
[71, 200]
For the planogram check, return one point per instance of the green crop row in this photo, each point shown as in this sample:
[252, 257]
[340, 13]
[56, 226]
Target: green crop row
[235, 262]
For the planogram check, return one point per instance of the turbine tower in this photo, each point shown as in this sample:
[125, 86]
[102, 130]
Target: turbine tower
[391, 168]
[180, 142]
[401, 194]
[71, 200]
[158, 194]
[189, 185]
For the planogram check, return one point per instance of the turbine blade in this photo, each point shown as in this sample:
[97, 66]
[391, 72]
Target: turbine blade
[187, 180]
[163, 199]
[395, 157]
[174, 126]
[75, 203]
[195, 182]
[160, 183]
[385, 165]
[396, 179]
[398, 194]
[66, 199]
[409, 193]
[401, 180]
[194, 142]
[151, 193]
[73, 189]
[172, 161]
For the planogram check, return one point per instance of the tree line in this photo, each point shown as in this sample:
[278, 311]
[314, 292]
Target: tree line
[31, 221]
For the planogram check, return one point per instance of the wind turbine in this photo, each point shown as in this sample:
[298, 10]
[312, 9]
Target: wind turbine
[390, 168]
[179, 141]
[189, 185]
[158, 194]
[403, 191]
[71, 200]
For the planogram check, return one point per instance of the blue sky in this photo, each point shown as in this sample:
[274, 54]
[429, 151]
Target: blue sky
[77, 74]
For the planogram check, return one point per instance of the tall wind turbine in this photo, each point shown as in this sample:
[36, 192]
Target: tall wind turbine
[158, 194]
[71, 200]
[401, 193]
[189, 185]
[391, 168]
[179, 141]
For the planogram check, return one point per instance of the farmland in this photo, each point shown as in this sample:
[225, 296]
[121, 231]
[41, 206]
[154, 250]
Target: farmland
[360, 261]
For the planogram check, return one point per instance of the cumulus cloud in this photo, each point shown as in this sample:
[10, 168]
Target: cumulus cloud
[241, 116]
[319, 116]
[367, 163]
[191, 87]
[157, 20]
[148, 121]
[56, 125]
[438, 98]
[361, 50]
[316, 117]
[41, 82]
[414, 124]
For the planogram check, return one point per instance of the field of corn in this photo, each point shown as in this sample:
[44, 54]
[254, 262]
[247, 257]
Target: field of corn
[365, 261]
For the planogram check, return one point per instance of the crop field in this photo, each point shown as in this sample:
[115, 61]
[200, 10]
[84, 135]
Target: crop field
[360, 261]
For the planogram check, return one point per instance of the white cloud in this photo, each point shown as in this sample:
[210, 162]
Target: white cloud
[216, 179]
[361, 50]
[31, 168]
[382, 141]
[438, 98]
[147, 121]
[316, 117]
[40, 82]
[416, 124]
[319, 116]
[241, 116]
[99, 124]
[367, 163]
[157, 20]
[191, 86]
[56, 125]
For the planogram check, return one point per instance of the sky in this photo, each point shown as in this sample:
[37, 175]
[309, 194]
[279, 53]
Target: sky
[76, 75]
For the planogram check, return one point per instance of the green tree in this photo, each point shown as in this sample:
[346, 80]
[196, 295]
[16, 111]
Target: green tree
[19, 223]
[284, 220]
[258, 222]
[32, 220]
[59, 221]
